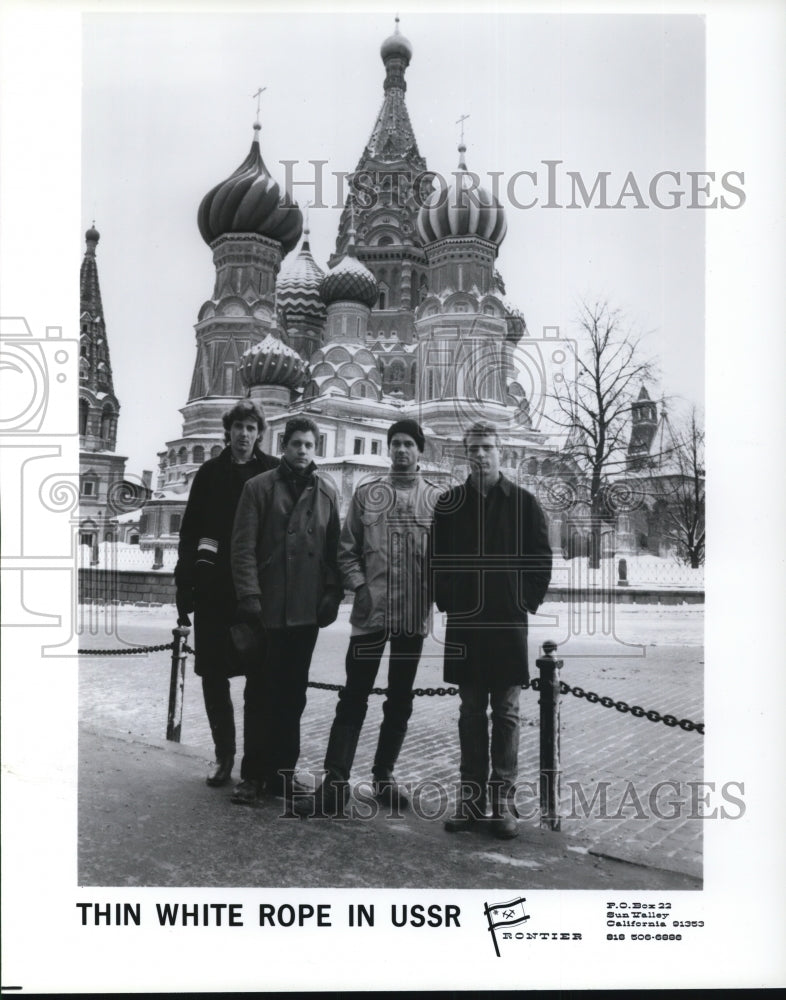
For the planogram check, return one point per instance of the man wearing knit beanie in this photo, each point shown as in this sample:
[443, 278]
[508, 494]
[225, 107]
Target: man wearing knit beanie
[383, 559]
[410, 427]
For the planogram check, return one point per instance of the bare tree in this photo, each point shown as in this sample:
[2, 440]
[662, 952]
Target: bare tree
[682, 486]
[594, 408]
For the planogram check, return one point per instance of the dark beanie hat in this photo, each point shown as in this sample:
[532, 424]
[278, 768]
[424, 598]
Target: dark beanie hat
[410, 427]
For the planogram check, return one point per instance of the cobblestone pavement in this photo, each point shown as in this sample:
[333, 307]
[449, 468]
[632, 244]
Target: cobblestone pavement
[613, 764]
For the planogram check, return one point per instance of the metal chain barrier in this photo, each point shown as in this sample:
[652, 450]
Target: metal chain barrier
[128, 652]
[687, 725]
[635, 710]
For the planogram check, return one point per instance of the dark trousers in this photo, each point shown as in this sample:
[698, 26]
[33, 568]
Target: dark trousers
[220, 713]
[362, 664]
[274, 701]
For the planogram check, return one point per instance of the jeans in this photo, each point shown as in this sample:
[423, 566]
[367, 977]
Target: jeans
[474, 740]
[274, 701]
[362, 664]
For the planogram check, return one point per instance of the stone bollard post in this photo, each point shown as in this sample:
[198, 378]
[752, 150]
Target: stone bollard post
[177, 680]
[550, 773]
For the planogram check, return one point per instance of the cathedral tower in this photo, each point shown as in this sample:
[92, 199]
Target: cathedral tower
[385, 188]
[101, 471]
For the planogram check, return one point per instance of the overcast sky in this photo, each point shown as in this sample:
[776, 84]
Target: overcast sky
[168, 113]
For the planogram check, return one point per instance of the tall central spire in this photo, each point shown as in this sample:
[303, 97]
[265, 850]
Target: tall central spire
[392, 137]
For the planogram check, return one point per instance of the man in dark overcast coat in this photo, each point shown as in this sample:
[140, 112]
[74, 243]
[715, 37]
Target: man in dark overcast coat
[491, 567]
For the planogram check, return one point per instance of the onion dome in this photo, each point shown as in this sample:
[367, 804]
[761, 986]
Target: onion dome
[250, 201]
[92, 235]
[346, 369]
[396, 45]
[271, 362]
[350, 280]
[297, 288]
[463, 210]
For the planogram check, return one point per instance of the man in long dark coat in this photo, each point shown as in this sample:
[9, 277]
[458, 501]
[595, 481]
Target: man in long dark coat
[491, 565]
[203, 576]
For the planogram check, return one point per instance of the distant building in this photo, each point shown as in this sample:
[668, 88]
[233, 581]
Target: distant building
[658, 481]
[105, 496]
[410, 318]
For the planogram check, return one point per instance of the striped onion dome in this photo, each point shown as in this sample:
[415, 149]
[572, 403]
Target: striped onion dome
[271, 362]
[462, 210]
[250, 201]
[297, 288]
[350, 280]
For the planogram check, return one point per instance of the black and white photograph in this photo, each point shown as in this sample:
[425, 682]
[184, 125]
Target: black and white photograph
[383, 391]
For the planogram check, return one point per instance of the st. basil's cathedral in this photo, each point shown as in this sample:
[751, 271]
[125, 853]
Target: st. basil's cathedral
[410, 319]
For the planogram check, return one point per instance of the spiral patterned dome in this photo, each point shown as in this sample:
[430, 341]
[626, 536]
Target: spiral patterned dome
[396, 45]
[271, 362]
[462, 210]
[349, 281]
[297, 288]
[250, 201]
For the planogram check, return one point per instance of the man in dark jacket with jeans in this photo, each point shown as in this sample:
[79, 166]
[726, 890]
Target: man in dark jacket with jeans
[285, 571]
[491, 566]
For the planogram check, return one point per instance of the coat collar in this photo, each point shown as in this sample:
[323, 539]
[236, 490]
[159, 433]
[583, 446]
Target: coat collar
[503, 483]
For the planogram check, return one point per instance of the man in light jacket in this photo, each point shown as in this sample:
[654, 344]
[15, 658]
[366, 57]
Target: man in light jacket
[383, 559]
[285, 572]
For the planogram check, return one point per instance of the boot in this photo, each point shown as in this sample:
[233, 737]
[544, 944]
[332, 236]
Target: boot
[330, 798]
[390, 793]
[222, 771]
[504, 822]
[470, 808]
[386, 788]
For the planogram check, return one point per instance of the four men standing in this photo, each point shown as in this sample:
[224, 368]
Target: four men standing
[480, 551]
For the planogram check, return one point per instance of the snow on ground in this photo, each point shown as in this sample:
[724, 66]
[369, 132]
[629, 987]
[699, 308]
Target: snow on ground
[645, 624]
[642, 570]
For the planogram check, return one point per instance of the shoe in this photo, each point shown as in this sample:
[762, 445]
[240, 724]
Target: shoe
[278, 788]
[222, 771]
[504, 822]
[246, 793]
[467, 815]
[329, 801]
[505, 827]
[390, 793]
[461, 821]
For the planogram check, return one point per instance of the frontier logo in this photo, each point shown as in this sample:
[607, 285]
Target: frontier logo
[505, 915]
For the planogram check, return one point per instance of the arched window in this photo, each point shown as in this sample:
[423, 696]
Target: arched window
[84, 411]
[396, 371]
[199, 454]
[106, 422]
[215, 451]
[172, 457]
[109, 536]
[532, 467]
[182, 455]
[383, 298]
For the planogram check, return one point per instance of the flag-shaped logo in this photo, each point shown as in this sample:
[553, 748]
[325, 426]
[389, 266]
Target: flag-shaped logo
[505, 915]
